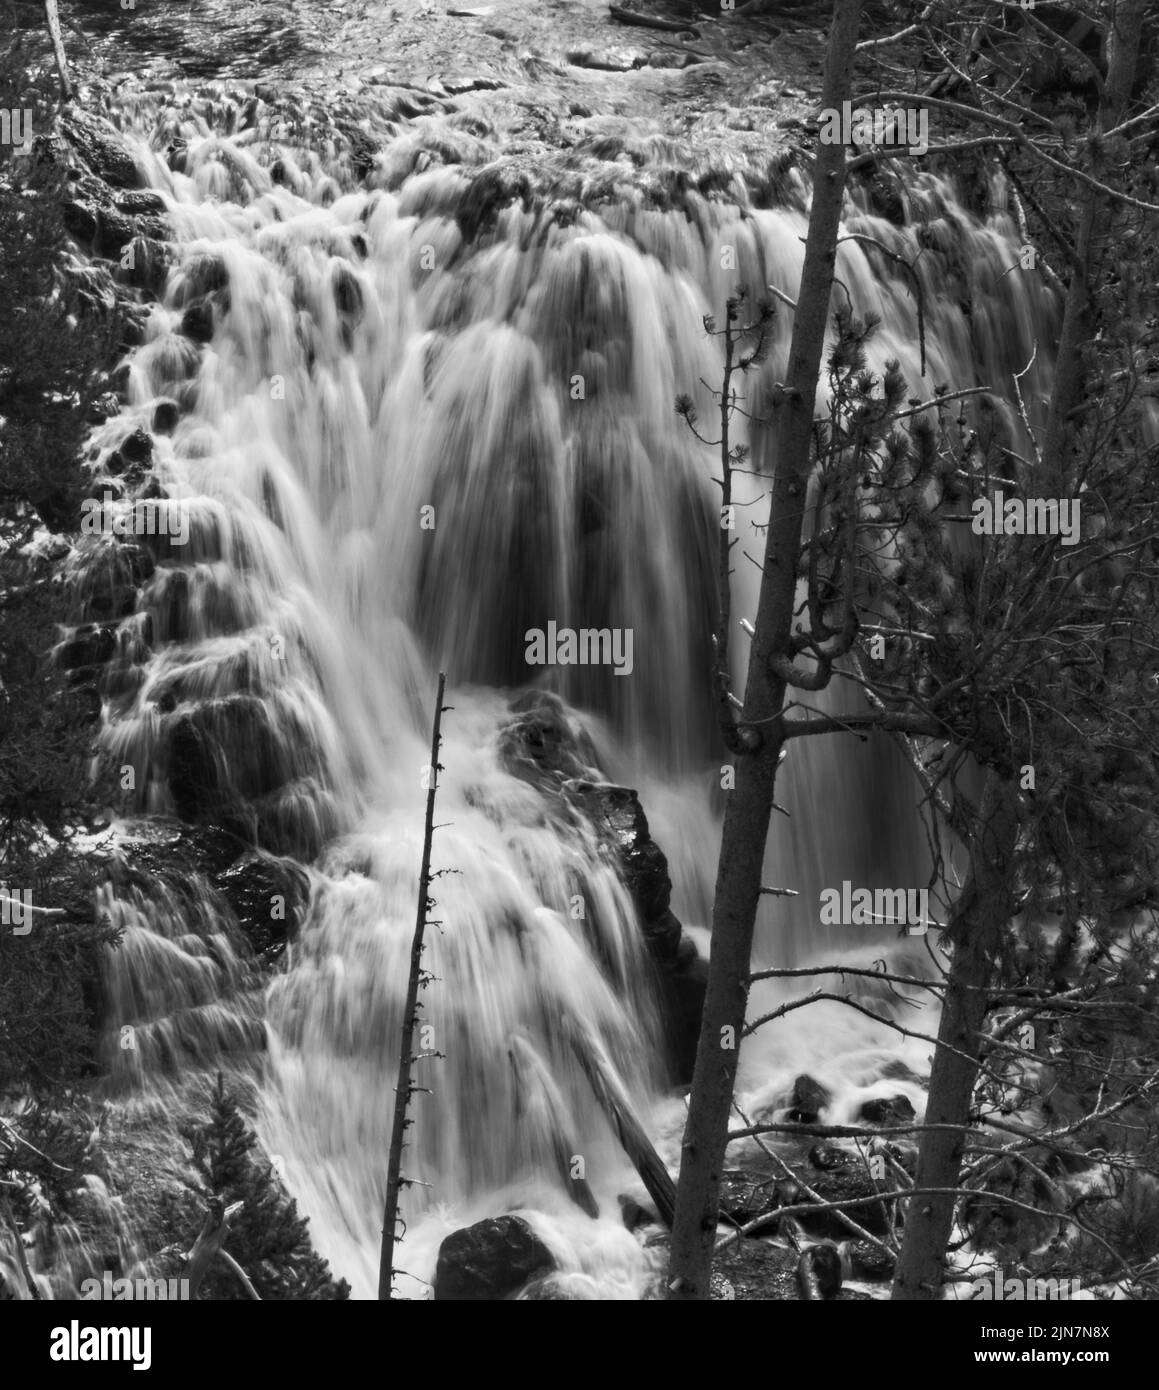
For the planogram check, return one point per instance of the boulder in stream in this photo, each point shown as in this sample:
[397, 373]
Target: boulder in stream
[490, 1261]
[887, 1110]
[809, 1098]
[267, 896]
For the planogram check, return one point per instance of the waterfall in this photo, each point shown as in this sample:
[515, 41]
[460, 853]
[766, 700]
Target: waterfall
[418, 426]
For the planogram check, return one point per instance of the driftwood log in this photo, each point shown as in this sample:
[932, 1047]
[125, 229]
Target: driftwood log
[646, 21]
[538, 1097]
[630, 1132]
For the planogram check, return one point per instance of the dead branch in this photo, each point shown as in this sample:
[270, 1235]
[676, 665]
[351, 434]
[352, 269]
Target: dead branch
[209, 1242]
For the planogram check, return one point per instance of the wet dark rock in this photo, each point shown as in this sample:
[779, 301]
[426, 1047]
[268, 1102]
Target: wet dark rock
[80, 220]
[868, 1262]
[682, 997]
[492, 189]
[114, 602]
[137, 447]
[132, 329]
[162, 847]
[221, 756]
[746, 1196]
[616, 813]
[104, 408]
[347, 294]
[807, 1101]
[89, 646]
[489, 1261]
[268, 897]
[101, 148]
[619, 819]
[827, 1156]
[194, 774]
[850, 1183]
[634, 1215]
[202, 275]
[896, 1070]
[137, 562]
[151, 259]
[197, 322]
[105, 488]
[114, 233]
[663, 936]
[140, 202]
[884, 191]
[166, 417]
[545, 746]
[756, 1270]
[819, 1273]
[120, 378]
[88, 696]
[896, 1110]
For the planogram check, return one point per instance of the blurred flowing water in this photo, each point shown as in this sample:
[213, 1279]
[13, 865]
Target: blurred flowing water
[381, 348]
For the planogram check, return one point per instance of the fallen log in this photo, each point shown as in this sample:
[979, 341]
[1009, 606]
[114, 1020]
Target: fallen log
[646, 21]
[616, 1106]
[542, 1106]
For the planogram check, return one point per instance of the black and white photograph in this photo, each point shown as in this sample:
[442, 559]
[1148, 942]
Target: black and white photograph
[579, 669]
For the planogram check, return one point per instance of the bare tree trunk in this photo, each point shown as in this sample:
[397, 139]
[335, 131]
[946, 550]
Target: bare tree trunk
[402, 1092]
[979, 918]
[53, 17]
[209, 1242]
[749, 805]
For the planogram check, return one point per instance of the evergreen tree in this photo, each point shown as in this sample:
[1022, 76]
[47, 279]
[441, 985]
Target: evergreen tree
[52, 351]
[268, 1238]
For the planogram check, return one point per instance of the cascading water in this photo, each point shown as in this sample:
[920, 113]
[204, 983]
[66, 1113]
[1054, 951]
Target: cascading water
[416, 431]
